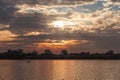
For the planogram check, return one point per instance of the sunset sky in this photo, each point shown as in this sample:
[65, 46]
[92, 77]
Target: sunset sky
[75, 25]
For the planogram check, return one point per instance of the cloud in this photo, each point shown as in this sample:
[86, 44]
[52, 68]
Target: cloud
[45, 2]
[14, 46]
[101, 33]
[115, 0]
[7, 12]
[27, 23]
[32, 22]
[104, 41]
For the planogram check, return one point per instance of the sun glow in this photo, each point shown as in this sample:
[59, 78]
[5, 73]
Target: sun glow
[6, 35]
[58, 45]
[63, 42]
[59, 24]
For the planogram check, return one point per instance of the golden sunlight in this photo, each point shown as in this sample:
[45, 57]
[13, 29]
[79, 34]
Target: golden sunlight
[58, 24]
[61, 43]
[6, 35]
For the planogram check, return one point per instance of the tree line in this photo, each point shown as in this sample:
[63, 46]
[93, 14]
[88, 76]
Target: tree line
[48, 54]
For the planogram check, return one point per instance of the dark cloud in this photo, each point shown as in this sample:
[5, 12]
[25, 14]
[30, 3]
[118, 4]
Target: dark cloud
[25, 23]
[115, 0]
[104, 40]
[68, 2]
[7, 12]
[45, 2]
[58, 35]
[36, 22]
[13, 2]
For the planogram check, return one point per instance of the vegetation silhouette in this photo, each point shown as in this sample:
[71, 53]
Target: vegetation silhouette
[48, 54]
[64, 52]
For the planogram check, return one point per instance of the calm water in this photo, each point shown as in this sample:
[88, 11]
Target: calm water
[60, 70]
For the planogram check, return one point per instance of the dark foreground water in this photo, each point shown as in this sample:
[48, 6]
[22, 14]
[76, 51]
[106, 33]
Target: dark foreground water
[60, 70]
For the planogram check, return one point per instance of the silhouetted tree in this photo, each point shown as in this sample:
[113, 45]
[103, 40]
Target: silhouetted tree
[20, 51]
[110, 52]
[9, 51]
[35, 52]
[48, 51]
[64, 51]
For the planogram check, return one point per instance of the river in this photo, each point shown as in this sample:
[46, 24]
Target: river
[59, 69]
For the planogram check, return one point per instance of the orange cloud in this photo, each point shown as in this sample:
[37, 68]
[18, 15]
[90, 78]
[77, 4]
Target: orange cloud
[6, 36]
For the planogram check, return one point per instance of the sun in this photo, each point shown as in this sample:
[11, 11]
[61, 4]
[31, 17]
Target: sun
[59, 24]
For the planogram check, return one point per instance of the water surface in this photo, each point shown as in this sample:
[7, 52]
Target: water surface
[60, 70]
